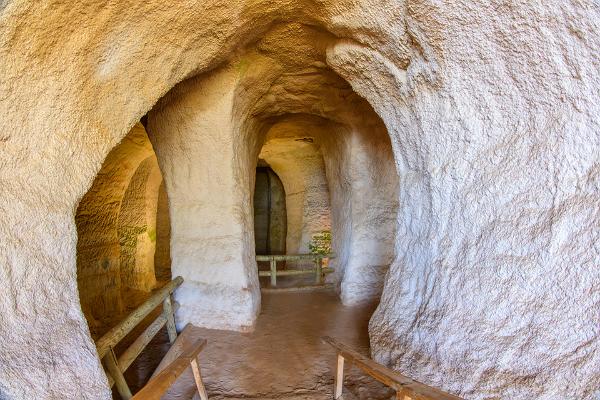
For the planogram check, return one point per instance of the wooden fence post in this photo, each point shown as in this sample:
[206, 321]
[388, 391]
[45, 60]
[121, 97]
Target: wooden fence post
[198, 379]
[110, 362]
[339, 377]
[319, 277]
[273, 272]
[403, 395]
[168, 312]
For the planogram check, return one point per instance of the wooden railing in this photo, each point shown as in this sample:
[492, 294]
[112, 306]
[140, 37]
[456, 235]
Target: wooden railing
[405, 387]
[158, 385]
[318, 271]
[106, 344]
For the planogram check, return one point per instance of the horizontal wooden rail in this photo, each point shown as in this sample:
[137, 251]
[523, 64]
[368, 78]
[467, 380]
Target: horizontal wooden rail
[296, 272]
[136, 348]
[158, 385]
[405, 387]
[292, 257]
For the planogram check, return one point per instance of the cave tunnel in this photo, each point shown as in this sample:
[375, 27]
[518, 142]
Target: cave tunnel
[150, 153]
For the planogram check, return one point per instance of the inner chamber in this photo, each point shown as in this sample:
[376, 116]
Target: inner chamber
[269, 153]
[264, 154]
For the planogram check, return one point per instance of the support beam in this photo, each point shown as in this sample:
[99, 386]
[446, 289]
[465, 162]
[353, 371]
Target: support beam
[339, 377]
[110, 363]
[319, 271]
[273, 272]
[168, 313]
[198, 379]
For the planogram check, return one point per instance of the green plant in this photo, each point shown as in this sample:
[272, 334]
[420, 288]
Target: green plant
[320, 243]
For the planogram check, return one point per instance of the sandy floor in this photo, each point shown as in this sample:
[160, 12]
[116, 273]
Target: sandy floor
[282, 359]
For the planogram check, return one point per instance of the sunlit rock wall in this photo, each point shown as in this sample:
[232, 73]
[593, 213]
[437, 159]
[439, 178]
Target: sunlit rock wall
[211, 215]
[162, 253]
[495, 291]
[492, 109]
[137, 227]
[100, 271]
[364, 188]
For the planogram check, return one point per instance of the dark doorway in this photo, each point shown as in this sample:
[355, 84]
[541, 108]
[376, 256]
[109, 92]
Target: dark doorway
[270, 216]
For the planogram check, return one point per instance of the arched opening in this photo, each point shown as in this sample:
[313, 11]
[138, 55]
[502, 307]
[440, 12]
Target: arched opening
[121, 222]
[327, 145]
[497, 163]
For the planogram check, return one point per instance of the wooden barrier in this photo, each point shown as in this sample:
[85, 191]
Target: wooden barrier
[158, 385]
[106, 344]
[318, 271]
[405, 387]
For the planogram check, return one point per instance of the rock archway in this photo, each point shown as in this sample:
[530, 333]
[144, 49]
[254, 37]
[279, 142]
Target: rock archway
[492, 114]
[208, 133]
[117, 232]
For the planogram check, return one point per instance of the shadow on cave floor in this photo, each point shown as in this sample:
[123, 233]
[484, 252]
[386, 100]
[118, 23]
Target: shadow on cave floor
[282, 359]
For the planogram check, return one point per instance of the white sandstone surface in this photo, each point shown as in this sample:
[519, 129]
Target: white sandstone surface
[492, 109]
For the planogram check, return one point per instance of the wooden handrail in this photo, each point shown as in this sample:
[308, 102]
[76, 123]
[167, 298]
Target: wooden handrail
[158, 385]
[405, 387]
[292, 257]
[105, 345]
[117, 333]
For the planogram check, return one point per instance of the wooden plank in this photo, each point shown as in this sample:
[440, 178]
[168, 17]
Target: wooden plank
[117, 333]
[159, 384]
[387, 376]
[169, 314]
[287, 272]
[198, 380]
[111, 365]
[339, 378]
[186, 338]
[293, 257]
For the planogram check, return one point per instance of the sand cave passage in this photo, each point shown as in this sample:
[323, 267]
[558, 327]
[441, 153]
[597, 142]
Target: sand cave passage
[178, 196]
[446, 153]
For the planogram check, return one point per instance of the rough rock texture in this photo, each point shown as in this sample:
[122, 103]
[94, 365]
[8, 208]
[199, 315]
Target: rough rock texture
[495, 128]
[492, 110]
[208, 133]
[162, 253]
[137, 227]
[209, 194]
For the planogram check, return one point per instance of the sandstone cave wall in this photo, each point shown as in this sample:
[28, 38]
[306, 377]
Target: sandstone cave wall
[100, 271]
[364, 187]
[137, 227]
[162, 252]
[492, 109]
[211, 215]
[496, 143]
